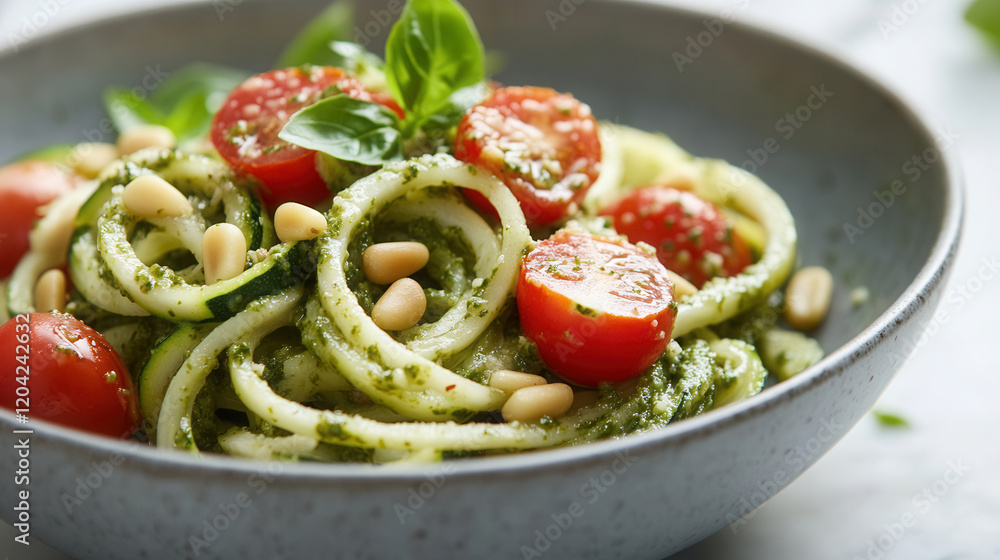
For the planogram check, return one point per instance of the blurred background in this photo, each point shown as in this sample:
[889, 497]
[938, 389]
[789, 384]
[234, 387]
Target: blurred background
[919, 479]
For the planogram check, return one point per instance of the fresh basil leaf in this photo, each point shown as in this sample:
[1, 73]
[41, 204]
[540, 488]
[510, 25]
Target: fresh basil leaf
[890, 420]
[433, 51]
[458, 104]
[347, 129]
[184, 102]
[191, 117]
[57, 153]
[190, 97]
[127, 110]
[984, 15]
[214, 81]
[312, 44]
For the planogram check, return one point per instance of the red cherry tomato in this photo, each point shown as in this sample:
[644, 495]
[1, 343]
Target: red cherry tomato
[25, 187]
[245, 130]
[542, 144]
[598, 309]
[57, 368]
[692, 237]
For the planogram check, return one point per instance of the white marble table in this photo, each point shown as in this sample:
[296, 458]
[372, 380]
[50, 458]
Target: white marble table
[928, 492]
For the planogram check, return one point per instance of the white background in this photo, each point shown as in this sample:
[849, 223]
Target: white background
[852, 502]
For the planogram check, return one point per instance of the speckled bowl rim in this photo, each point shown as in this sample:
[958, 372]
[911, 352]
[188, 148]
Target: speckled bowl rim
[931, 275]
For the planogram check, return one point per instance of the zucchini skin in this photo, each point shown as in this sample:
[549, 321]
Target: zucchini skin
[166, 358]
[298, 264]
[161, 292]
[107, 271]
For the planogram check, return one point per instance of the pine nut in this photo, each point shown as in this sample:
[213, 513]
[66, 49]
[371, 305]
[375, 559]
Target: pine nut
[296, 222]
[509, 381]
[148, 136]
[150, 196]
[384, 263]
[807, 298]
[401, 306]
[681, 286]
[93, 157]
[50, 291]
[223, 252]
[532, 403]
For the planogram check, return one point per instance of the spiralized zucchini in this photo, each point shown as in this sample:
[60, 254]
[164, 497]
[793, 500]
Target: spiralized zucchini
[646, 158]
[48, 241]
[284, 361]
[403, 378]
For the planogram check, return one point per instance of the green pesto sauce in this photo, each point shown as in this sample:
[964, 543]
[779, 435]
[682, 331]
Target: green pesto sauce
[679, 385]
[204, 422]
[333, 431]
[276, 349]
[367, 292]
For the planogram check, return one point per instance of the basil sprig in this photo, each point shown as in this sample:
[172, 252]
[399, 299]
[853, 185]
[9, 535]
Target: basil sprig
[433, 51]
[347, 129]
[433, 69]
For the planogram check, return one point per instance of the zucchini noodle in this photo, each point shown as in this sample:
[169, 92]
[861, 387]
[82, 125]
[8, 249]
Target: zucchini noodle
[641, 158]
[418, 386]
[49, 242]
[284, 360]
[174, 425]
[451, 333]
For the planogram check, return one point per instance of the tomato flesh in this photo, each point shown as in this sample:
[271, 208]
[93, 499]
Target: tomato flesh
[692, 237]
[542, 144]
[57, 368]
[598, 309]
[24, 188]
[245, 130]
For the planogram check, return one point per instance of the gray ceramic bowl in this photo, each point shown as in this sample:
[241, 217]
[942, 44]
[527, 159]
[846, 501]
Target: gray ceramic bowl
[641, 497]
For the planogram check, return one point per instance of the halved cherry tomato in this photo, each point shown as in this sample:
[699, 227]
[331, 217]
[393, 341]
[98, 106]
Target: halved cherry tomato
[24, 188]
[57, 368]
[542, 144]
[598, 309]
[245, 130]
[692, 237]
